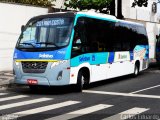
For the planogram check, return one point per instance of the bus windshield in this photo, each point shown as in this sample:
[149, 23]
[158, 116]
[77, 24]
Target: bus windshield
[46, 33]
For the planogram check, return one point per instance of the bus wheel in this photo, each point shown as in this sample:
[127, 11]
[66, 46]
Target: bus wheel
[136, 70]
[80, 82]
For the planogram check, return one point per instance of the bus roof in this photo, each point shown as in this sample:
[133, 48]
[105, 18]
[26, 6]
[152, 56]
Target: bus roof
[56, 14]
[98, 15]
[101, 15]
[91, 14]
[131, 23]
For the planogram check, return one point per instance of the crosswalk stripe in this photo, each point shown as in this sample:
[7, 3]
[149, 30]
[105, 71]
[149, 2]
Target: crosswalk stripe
[3, 93]
[127, 114]
[2, 107]
[122, 94]
[80, 112]
[12, 97]
[45, 108]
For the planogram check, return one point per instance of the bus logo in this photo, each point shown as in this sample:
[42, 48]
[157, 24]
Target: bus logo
[84, 59]
[34, 65]
[45, 56]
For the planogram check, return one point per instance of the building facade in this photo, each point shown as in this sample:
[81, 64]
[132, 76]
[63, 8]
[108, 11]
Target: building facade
[13, 16]
[149, 16]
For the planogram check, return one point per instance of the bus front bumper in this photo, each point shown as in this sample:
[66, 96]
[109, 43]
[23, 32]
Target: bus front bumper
[53, 76]
[28, 80]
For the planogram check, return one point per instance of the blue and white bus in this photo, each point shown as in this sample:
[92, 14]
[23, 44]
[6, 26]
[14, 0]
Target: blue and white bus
[78, 48]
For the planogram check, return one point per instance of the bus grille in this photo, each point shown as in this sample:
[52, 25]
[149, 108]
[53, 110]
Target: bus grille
[34, 67]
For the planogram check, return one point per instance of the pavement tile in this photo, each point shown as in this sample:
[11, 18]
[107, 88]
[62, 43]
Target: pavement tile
[6, 78]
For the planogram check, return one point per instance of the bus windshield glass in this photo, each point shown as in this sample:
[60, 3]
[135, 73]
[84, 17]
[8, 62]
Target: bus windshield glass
[46, 33]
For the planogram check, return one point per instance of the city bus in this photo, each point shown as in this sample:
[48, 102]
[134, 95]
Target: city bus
[78, 48]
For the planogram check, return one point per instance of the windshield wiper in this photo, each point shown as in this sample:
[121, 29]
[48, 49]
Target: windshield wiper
[27, 44]
[47, 43]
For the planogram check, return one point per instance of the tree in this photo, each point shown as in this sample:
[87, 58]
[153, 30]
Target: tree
[140, 3]
[103, 6]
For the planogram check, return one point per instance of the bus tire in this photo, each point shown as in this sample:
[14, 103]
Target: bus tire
[80, 82]
[136, 70]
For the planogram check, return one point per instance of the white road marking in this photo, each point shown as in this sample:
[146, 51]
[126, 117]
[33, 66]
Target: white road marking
[145, 89]
[127, 114]
[152, 71]
[80, 112]
[2, 107]
[122, 94]
[12, 97]
[45, 108]
[3, 93]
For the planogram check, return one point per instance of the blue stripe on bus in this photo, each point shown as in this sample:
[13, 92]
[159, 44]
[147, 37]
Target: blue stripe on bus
[111, 57]
[131, 55]
[91, 58]
[48, 55]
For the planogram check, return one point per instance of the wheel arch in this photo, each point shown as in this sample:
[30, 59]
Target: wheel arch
[86, 72]
[138, 64]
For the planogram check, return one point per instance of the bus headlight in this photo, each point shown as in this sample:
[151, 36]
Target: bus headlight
[54, 64]
[17, 63]
[57, 63]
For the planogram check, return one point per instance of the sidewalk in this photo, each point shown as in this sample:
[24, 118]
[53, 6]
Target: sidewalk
[6, 78]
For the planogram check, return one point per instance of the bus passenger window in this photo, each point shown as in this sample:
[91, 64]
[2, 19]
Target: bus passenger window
[77, 45]
[94, 46]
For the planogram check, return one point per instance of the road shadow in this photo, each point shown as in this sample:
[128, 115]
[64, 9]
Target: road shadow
[154, 65]
[113, 81]
[42, 90]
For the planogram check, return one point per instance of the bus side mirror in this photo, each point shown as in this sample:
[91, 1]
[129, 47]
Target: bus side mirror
[22, 28]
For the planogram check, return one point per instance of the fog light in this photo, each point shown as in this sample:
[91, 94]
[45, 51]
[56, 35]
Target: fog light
[59, 77]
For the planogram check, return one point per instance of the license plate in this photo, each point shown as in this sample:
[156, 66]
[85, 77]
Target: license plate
[32, 82]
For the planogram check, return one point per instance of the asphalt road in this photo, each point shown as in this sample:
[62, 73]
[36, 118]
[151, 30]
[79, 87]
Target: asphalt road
[115, 99]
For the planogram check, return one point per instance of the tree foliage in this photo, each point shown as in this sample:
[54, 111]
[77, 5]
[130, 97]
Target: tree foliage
[43, 3]
[140, 3]
[103, 6]
[99, 5]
